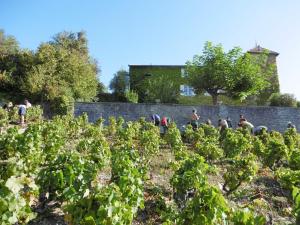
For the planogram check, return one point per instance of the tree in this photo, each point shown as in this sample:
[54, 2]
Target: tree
[234, 73]
[8, 44]
[62, 74]
[119, 83]
[72, 41]
[14, 65]
[164, 88]
[285, 100]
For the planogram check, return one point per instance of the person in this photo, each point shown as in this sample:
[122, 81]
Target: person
[242, 117]
[222, 125]
[22, 111]
[208, 122]
[291, 125]
[259, 129]
[164, 123]
[155, 119]
[27, 103]
[228, 120]
[194, 119]
[246, 124]
[8, 106]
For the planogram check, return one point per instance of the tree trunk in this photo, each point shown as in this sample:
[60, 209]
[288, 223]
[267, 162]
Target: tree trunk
[214, 99]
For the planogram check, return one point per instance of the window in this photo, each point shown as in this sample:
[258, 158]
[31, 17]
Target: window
[182, 72]
[186, 90]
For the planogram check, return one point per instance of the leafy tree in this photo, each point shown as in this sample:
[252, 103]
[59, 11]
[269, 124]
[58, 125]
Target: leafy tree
[119, 82]
[162, 87]
[231, 73]
[14, 64]
[72, 41]
[63, 72]
[286, 100]
[8, 44]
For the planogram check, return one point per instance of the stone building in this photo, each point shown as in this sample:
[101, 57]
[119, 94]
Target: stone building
[269, 66]
[141, 74]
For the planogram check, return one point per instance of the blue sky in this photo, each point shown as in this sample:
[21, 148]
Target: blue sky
[162, 31]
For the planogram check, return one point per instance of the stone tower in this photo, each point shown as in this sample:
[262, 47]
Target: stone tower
[269, 67]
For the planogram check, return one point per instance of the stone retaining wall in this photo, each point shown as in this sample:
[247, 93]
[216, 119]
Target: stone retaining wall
[275, 118]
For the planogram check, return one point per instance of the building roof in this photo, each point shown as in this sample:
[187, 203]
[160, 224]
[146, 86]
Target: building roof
[157, 66]
[258, 49]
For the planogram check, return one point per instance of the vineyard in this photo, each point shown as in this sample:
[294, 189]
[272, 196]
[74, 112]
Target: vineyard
[69, 171]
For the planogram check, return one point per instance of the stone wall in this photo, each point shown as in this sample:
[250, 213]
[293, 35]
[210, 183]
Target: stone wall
[275, 118]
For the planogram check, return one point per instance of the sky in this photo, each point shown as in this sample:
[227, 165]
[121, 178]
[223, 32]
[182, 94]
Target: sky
[164, 32]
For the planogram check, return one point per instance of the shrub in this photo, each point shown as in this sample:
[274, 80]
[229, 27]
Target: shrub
[132, 96]
[3, 117]
[285, 100]
[34, 113]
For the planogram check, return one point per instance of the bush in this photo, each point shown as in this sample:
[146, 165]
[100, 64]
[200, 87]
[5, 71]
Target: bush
[62, 105]
[34, 114]
[285, 100]
[3, 117]
[132, 96]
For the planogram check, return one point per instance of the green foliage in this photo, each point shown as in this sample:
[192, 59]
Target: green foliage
[100, 123]
[210, 131]
[132, 96]
[173, 138]
[234, 143]
[190, 175]
[209, 149]
[246, 217]
[34, 114]
[291, 138]
[61, 74]
[120, 82]
[294, 159]
[62, 105]
[127, 173]
[259, 148]
[23, 152]
[296, 198]
[16, 195]
[276, 150]
[155, 83]
[233, 73]
[3, 117]
[288, 177]
[149, 142]
[284, 100]
[9, 44]
[112, 127]
[198, 202]
[104, 206]
[118, 202]
[242, 170]
[60, 71]
[163, 88]
[68, 177]
[207, 207]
